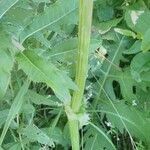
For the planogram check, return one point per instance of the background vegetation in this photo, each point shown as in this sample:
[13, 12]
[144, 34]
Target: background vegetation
[38, 51]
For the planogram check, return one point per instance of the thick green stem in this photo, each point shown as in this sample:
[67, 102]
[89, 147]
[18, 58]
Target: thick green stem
[85, 19]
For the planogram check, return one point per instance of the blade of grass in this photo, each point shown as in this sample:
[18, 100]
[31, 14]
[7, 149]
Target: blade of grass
[15, 107]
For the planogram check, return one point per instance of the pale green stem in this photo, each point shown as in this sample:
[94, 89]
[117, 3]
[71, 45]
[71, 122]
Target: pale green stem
[85, 19]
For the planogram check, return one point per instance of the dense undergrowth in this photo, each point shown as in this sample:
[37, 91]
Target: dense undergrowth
[38, 56]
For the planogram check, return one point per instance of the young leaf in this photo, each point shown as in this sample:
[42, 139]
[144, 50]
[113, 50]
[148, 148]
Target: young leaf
[54, 15]
[39, 70]
[5, 5]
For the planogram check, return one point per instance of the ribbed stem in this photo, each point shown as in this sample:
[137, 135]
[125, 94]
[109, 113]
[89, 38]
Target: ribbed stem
[85, 19]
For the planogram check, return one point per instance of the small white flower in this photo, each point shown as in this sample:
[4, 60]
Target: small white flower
[134, 103]
[108, 124]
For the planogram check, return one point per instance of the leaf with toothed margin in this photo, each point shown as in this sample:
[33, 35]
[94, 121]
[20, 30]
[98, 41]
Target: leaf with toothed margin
[40, 70]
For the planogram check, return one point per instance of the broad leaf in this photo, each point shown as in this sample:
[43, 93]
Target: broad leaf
[40, 70]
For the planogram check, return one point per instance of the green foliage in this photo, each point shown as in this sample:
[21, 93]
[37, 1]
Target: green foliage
[39, 42]
[52, 17]
[6, 5]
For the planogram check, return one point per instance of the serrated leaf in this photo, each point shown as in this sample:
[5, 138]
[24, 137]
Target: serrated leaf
[53, 15]
[33, 133]
[40, 70]
[5, 5]
[146, 41]
[40, 99]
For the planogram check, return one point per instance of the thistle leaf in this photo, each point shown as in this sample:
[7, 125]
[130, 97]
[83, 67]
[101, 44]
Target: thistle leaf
[39, 70]
[54, 15]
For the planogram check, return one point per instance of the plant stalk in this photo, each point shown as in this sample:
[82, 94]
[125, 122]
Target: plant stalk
[85, 20]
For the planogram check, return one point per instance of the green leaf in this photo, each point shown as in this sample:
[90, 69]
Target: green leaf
[146, 41]
[33, 133]
[140, 67]
[3, 116]
[40, 99]
[5, 5]
[135, 48]
[125, 32]
[14, 110]
[95, 138]
[127, 117]
[40, 70]
[54, 15]
[6, 64]
[138, 20]
[107, 25]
